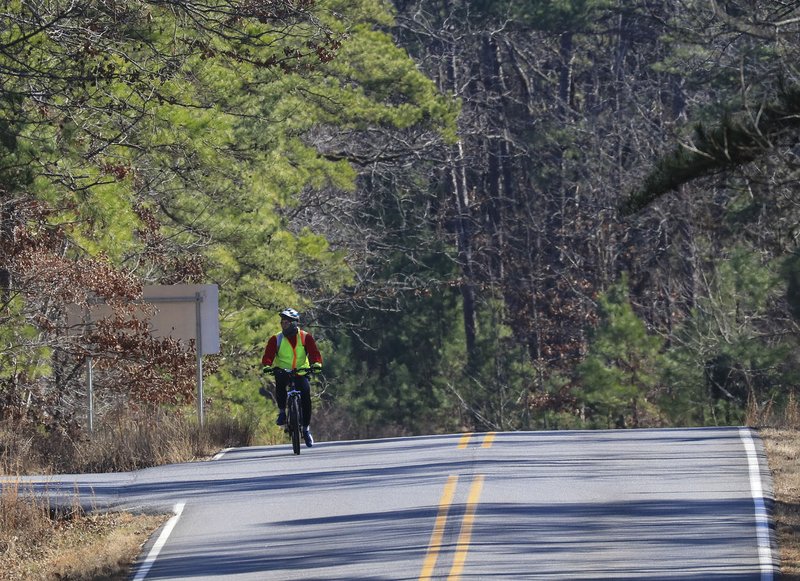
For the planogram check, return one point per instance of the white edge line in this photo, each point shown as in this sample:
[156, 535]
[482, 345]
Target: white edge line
[162, 539]
[762, 519]
[221, 453]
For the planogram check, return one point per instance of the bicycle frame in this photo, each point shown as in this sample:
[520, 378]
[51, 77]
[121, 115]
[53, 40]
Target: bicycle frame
[294, 408]
[294, 416]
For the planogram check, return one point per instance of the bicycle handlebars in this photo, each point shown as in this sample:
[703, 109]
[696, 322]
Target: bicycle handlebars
[300, 371]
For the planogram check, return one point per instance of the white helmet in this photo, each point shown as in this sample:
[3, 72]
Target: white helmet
[290, 314]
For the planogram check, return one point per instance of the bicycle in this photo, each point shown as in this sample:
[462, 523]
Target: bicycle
[294, 409]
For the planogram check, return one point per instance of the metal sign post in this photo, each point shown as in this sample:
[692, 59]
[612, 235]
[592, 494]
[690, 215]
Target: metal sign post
[90, 393]
[199, 349]
[199, 338]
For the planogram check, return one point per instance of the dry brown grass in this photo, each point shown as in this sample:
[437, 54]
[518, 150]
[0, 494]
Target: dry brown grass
[124, 442]
[38, 543]
[24, 523]
[783, 451]
[102, 546]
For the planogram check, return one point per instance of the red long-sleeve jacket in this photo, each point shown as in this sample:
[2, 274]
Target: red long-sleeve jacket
[271, 349]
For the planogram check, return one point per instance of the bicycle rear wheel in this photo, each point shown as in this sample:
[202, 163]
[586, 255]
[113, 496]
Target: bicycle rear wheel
[294, 423]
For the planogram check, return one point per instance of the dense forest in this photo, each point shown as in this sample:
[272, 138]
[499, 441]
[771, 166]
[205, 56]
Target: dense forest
[493, 215]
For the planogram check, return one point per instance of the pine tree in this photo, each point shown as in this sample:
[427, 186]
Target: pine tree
[619, 375]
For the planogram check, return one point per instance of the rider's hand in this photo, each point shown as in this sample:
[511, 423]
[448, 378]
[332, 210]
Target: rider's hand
[316, 368]
[266, 369]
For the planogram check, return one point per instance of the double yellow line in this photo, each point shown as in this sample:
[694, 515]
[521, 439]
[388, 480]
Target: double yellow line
[435, 544]
[465, 535]
[488, 438]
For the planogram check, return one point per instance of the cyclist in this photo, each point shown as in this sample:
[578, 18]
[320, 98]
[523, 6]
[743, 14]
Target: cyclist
[292, 348]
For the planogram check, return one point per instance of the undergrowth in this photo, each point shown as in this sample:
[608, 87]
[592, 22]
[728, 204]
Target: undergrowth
[124, 441]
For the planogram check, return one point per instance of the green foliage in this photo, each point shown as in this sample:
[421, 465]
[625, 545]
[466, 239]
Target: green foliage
[370, 86]
[181, 146]
[550, 411]
[15, 156]
[390, 376]
[685, 400]
[791, 274]
[734, 141]
[202, 147]
[620, 371]
[721, 360]
[556, 16]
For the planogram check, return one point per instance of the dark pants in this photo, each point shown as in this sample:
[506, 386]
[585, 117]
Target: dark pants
[301, 383]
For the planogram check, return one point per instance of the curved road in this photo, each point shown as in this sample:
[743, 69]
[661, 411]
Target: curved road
[625, 504]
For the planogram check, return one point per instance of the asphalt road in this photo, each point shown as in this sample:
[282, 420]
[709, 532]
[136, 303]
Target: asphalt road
[626, 504]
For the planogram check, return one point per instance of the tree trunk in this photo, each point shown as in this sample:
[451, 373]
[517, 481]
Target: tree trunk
[6, 240]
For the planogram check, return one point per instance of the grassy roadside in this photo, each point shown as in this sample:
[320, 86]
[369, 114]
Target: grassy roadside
[783, 451]
[85, 547]
[36, 545]
[40, 543]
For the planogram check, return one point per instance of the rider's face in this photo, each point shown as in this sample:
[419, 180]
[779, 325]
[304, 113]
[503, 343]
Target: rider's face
[285, 323]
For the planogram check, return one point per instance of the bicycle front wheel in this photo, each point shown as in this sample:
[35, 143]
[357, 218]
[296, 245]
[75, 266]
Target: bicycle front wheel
[294, 423]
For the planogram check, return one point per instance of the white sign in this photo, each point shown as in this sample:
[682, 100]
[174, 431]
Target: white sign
[184, 312]
[178, 314]
[173, 312]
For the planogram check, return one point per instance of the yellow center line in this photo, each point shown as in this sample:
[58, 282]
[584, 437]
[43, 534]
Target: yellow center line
[464, 537]
[435, 544]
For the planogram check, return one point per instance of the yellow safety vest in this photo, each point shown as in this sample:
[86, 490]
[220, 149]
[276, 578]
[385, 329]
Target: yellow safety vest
[289, 357]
